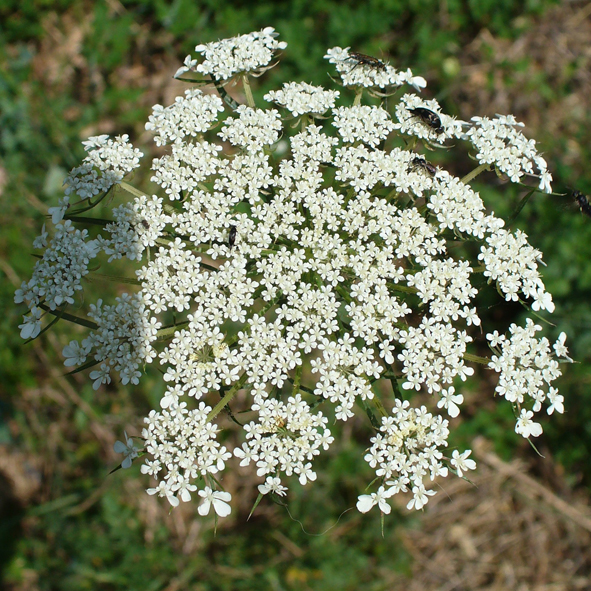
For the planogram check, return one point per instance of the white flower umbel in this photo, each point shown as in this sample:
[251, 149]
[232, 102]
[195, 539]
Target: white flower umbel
[370, 125]
[527, 367]
[108, 161]
[58, 275]
[291, 274]
[253, 129]
[183, 443]
[190, 115]
[499, 142]
[285, 440]
[369, 73]
[300, 98]
[245, 53]
[406, 452]
[413, 119]
[131, 233]
[122, 340]
[513, 263]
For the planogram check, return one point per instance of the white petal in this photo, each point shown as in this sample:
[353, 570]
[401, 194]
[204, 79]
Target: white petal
[204, 507]
[365, 503]
[221, 508]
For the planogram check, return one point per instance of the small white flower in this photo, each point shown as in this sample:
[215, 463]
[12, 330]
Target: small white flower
[366, 502]
[218, 499]
[450, 401]
[128, 449]
[75, 354]
[31, 327]
[560, 348]
[420, 497]
[461, 462]
[526, 427]
[100, 376]
[543, 301]
[273, 484]
[556, 401]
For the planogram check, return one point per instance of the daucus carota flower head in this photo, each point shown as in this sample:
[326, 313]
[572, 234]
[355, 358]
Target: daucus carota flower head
[293, 283]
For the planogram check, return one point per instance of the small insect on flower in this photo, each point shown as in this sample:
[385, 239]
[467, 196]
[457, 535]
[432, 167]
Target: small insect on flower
[145, 224]
[366, 60]
[421, 163]
[428, 118]
[232, 236]
[582, 202]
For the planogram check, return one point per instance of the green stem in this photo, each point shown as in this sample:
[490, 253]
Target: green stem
[225, 96]
[370, 414]
[114, 278]
[476, 359]
[228, 397]
[378, 404]
[131, 189]
[402, 288]
[358, 95]
[297, 379]
[169, 331]
[520, 206]
[90, 205]
[86, 220]
[70, 317]
[248, 92]
[208, 267]
[475, 173]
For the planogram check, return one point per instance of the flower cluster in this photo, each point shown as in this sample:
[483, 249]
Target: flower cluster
[499, 142]
[190, 115]
[284, 440]
[121, 341]
[57, 276]
[423, 119]
[225, 58]
[300, 98]
[356, 70]
[294, 286]
[405, 452]
[526, 368]
[108, 161]
[184, 442]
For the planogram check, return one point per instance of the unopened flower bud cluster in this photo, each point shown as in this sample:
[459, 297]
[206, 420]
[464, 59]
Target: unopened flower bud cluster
[330, 274]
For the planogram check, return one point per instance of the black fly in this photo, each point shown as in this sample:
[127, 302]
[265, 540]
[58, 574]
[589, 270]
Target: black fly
[423, 164]
[232, 236]
[582, 202]
[366, 60]
[428, 118]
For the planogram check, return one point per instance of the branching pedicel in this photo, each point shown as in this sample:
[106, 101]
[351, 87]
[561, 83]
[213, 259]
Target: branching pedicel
[304, 282]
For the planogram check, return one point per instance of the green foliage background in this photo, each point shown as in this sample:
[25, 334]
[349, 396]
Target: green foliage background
[73, 69]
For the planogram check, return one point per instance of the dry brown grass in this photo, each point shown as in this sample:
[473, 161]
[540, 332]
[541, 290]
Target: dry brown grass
[505, 532]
